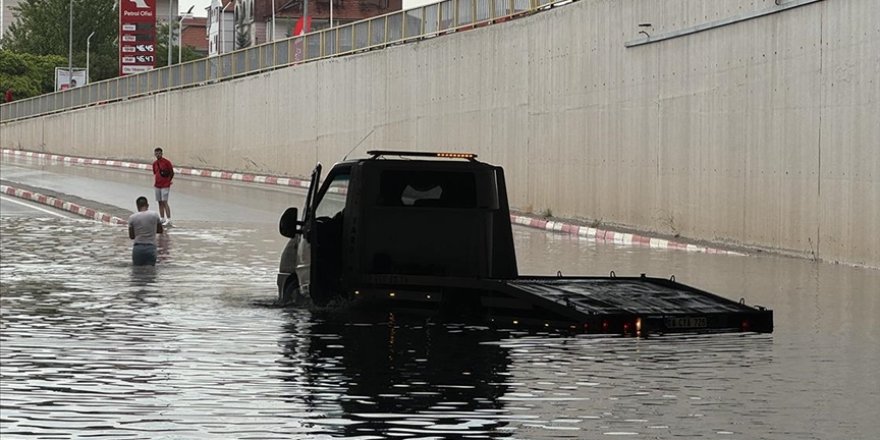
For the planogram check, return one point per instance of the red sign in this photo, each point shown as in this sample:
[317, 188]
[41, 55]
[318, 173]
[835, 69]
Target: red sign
[137, 36]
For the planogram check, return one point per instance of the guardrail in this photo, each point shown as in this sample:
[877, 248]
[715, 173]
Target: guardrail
[377, 32]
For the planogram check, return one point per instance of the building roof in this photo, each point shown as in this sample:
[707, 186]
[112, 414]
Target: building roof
[194, 33]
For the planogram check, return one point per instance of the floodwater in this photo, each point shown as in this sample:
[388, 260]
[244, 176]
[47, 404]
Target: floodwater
[194, 348]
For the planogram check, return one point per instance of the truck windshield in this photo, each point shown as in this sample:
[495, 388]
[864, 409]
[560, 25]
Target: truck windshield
[333, 200]
[418, 188]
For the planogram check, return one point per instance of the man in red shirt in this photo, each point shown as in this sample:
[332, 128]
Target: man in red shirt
[164, 172]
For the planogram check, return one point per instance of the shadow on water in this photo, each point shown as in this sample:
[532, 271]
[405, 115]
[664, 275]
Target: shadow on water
[143, 276]
[401, 377]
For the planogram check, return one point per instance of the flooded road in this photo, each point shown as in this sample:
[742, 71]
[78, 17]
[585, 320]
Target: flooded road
[90, 346]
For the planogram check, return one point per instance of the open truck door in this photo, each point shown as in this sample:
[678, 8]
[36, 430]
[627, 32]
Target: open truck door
[311, 263]
[322, 238]
[304, 253]
[292, 271]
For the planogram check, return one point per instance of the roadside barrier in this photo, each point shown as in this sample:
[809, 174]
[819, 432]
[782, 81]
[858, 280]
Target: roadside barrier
[228, 175]
[620, 238]
[584, 232]
[62, 205]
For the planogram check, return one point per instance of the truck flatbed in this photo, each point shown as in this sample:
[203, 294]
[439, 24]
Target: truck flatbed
[635, 306]
[639, 305]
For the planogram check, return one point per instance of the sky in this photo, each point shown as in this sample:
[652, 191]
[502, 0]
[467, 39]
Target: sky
[198, 10]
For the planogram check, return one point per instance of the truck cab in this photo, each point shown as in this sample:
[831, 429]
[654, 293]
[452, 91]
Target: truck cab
[396, 216]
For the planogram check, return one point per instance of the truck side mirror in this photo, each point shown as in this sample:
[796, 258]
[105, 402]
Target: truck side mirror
[289, 224]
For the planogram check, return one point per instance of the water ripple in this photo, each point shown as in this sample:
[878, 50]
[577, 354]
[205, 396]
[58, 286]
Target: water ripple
[92, 347]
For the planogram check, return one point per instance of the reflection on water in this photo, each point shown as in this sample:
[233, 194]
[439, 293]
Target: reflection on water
[192, 348]
[407, 379]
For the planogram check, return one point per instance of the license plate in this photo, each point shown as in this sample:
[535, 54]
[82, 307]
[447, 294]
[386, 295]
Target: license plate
[686, 322]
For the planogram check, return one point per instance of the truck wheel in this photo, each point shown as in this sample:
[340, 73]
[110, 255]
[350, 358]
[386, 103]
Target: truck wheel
[291, 294]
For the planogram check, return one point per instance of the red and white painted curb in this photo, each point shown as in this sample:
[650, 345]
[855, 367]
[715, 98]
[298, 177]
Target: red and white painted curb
[620, 238]
[227, 175]
[61, 204]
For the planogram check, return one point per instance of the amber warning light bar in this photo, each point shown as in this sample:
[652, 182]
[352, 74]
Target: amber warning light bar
[448, 155]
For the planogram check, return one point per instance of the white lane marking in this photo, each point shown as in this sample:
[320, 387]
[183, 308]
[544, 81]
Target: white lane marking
[10, 199]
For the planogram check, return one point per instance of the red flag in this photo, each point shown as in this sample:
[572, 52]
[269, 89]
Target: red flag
[300, 29]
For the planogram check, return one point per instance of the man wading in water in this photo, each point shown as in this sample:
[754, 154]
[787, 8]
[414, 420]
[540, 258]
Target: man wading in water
[142, 228]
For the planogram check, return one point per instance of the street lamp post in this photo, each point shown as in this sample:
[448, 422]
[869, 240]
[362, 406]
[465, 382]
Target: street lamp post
[222, 35]
[88, 50]
[70, 46]
[170, 31]
[180, 33]
[273, 21]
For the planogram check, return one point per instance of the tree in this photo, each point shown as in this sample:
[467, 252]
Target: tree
[43, 29]
[28, 75]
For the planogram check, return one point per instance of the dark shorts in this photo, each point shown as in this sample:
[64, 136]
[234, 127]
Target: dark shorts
[143, 254]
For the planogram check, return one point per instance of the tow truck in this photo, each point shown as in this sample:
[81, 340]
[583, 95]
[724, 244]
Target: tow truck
[405, 230]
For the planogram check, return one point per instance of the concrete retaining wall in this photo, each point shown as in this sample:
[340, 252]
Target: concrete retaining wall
[762, 133]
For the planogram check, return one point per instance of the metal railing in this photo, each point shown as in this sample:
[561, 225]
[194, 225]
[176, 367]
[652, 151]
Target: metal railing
[377, 32]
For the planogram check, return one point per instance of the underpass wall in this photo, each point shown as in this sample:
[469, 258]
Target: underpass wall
[762, 133]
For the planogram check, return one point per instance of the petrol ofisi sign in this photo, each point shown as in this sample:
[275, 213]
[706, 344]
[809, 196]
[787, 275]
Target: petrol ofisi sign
[137, 36]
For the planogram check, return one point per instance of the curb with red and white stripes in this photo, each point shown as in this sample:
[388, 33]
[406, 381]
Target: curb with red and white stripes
[61, 204]
[227, 175]
[620, 238]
